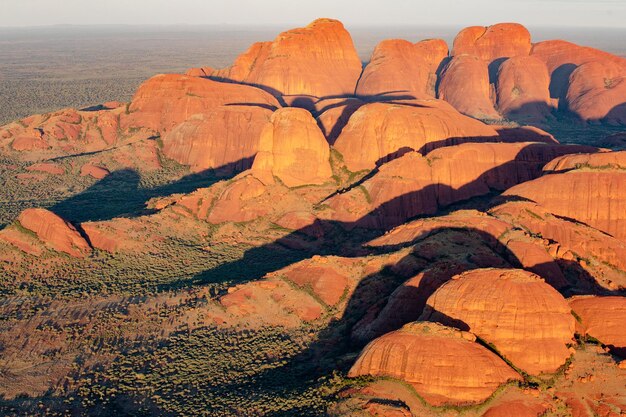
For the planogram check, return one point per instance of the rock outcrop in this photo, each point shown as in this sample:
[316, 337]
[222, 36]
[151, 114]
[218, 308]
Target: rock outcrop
[502, 40]
[413, 185]
[464, 83]
[592, 197]
[444, 365]
[597, 91]
[525, 319]
[472, 169]
[166, 100]
[523, 89]
[603, 318]
[605, 160]
[562, 58]
[379, 132]
[572, 242]
[318, 60]
[293, 149]
[224, 139]
[519, 408]
[399, 68]
[54, 232]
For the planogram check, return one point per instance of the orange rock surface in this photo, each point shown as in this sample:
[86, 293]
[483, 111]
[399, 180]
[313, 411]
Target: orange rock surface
[165, 100]
[225, 139]
[444, 365]
[562, 58]
[62, 132]
[523, 89]
[400, 190]
[318, 60]
[472, 169]
[616, 160]
[47, 167]
[526, 320]
[414, 185]
[464, 83]
[333, 115]
[54, 231]
[293, 149]
[570, 238]
[200, 72]
[493, 42]
[378, 132]
[591, 197]
[93, 171]
[603, 318]
[400, 68]
[597, 91]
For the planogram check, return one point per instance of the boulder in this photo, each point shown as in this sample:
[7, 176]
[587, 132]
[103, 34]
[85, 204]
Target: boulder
[318, 60]
[443, 365]
[613, 160]
[603, 318]
[54, 232]
[293, 149]
[527, 321]
[502, 40]
[166, 100]
[94, 171]
[592, 197]
[399, 68]
[225, 139]
[379, 132]
[471, 169]
[464, 83]
[562, 58]
[597, 92]
[523, 89]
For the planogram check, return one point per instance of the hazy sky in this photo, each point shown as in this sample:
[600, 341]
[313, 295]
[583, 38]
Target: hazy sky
[598, 13]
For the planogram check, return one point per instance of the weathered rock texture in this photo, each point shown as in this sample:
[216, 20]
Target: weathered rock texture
[444, 365]
[464, 83]
[378, 132]
[603, 318]
[293, 149]
[523, 89]
[318, 61]
[525, 319]
[54, 232]
[594, 197]
[400, 68]
[502, 40]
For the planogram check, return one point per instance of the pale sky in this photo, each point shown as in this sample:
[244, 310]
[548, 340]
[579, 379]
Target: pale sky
[571, 13]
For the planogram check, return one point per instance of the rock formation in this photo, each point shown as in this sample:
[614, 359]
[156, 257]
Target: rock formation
[523, 89]
[603, 318]
[318, 60]
[597, 91]
[54, 232]
[399, 68]
[525, 319]
[503, 40]
[293, 149]
[439, 362]
[225, 139]
[591, 197]
[379, 132]
[464, 83]
[562, 58]
[165, 100]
